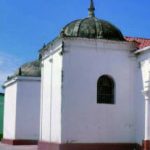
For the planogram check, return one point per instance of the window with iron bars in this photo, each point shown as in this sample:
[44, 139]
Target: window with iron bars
[105, 90]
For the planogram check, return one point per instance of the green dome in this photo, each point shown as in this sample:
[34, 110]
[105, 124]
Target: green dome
[92, 27]
[31, 69]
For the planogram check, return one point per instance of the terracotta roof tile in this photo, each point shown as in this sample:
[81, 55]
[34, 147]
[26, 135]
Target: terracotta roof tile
[141, 42]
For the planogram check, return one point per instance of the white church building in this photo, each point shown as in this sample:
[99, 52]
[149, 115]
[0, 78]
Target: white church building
[90, 90]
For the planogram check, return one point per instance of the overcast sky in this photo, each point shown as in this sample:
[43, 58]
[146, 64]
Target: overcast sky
[25, 25]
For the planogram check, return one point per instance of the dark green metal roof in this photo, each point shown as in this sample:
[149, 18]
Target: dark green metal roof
[92, 27]
[31, 69]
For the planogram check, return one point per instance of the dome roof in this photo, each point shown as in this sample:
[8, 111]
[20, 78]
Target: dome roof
[92, 27]
[31, 69]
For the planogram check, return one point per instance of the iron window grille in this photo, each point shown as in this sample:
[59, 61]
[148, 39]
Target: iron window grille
[105, 90]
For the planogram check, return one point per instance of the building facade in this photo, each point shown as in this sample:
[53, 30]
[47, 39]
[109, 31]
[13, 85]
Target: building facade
[94, 89]
[94, 94]
[22, 105]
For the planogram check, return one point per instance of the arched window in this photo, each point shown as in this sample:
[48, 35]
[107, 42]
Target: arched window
[105, 90]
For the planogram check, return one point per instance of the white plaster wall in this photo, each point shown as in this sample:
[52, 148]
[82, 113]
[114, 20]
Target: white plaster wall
[140, 104]
[45, 101]
[83, 120]
[56, 98]
[28, 108]
[51, 98]
[10, 111]
[143, 61]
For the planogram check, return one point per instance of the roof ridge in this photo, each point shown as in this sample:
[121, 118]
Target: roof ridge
[137, 37]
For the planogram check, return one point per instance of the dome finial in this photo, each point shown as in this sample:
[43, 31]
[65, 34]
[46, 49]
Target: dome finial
[91, 9]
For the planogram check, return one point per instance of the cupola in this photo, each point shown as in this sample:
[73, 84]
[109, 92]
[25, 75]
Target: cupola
[92, 27]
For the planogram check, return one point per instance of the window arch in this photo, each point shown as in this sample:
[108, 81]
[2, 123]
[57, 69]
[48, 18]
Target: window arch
[105, 90]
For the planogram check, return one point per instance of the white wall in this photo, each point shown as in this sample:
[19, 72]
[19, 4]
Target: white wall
[83, 120]
[50, 129]
[140, 104]
[22, 108]
[28, 109]
[9, 130]
[143, 61]
[45, 101]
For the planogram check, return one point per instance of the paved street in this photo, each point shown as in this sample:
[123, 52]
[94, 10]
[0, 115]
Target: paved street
[8, 147]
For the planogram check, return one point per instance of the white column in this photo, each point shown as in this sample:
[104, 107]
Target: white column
[147, 120]
[147, 111]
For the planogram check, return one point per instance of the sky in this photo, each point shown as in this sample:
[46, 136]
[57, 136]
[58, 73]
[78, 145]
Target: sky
[25, 25]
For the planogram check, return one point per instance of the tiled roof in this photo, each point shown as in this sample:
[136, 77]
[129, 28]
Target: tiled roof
[141, 42]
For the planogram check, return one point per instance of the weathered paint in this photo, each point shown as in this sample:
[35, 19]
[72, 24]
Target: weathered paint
[83, 120]
[83, 62]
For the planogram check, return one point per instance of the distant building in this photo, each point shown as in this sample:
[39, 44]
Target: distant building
[1, 114]
[95, 91]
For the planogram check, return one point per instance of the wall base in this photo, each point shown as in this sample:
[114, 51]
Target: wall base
[146, 145]
[19, 142]
[84, 146]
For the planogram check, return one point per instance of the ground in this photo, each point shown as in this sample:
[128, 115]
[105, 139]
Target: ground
[9, 147]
